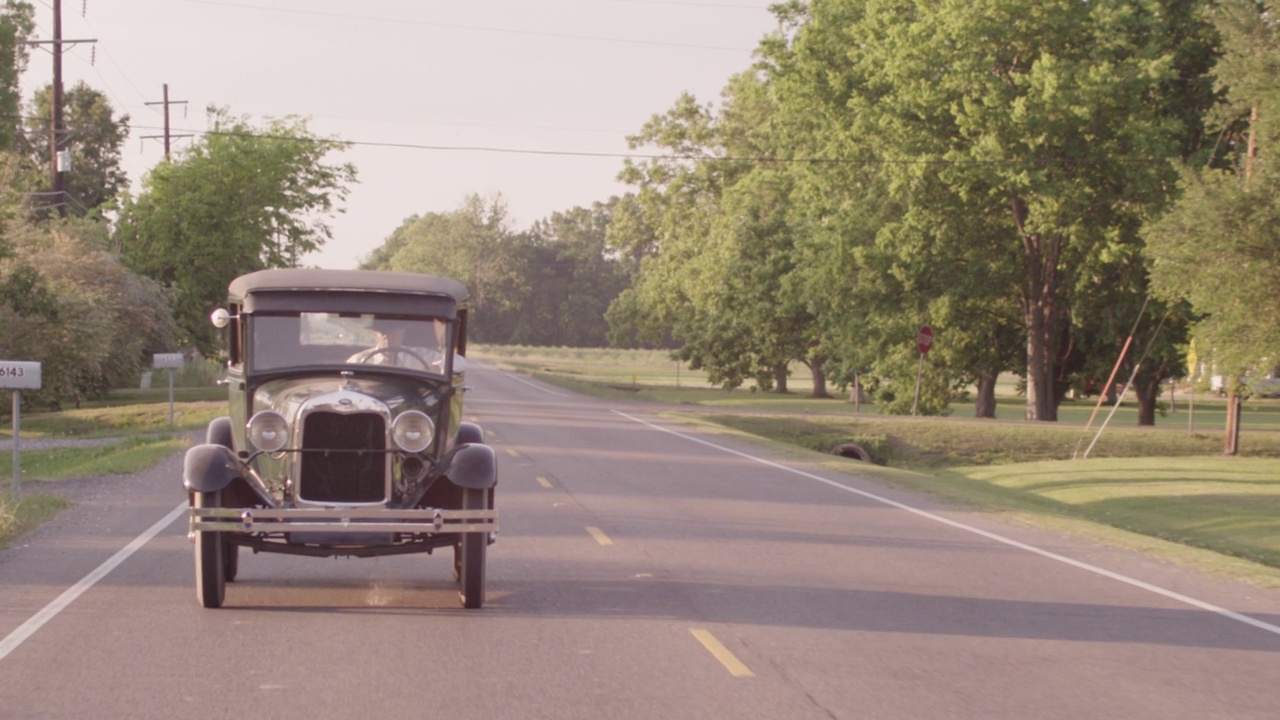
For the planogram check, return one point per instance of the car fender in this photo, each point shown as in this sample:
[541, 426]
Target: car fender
[472, 465]
[210, 468]
[469, 433]
[219, 432]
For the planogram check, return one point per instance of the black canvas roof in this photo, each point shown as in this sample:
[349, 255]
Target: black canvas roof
[360, 291]
[285, 280]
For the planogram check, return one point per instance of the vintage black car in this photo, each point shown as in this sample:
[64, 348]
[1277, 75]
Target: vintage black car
[345, 435]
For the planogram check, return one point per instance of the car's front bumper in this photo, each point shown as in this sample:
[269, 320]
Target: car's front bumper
[431, 521]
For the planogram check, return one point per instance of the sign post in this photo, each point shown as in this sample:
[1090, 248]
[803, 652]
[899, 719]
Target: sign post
[924, 341]
[168, 361]
[18, 376]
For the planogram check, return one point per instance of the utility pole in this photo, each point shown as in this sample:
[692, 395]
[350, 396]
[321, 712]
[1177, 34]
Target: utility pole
[166, 103]
[55, 139]
[57, 133]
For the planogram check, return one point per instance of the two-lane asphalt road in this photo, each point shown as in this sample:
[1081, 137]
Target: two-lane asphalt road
[645, 569]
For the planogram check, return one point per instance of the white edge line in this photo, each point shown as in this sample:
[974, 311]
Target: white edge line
[60, 603]
[535, 386]
[1274, 629]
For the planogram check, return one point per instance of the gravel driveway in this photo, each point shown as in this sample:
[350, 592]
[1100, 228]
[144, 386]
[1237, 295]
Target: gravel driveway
[75, 489]
[50, 443]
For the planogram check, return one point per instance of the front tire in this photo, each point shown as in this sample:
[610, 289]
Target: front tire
[470, 553]
[211, 569]
[230, 559]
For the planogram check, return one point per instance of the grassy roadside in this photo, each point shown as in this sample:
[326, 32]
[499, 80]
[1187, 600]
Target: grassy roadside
[17, 518]
[132, 436]
[1166, 490]
[127, 413]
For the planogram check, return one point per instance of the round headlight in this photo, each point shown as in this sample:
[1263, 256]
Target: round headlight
[413, 431]
[268, 431]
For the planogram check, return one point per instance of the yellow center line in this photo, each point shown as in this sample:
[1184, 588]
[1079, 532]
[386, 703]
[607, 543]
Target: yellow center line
[599, 535]
[513, 453]
[544, 482]
[721, 653]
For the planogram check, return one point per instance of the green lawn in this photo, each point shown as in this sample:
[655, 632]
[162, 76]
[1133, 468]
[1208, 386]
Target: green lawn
[1230, 505]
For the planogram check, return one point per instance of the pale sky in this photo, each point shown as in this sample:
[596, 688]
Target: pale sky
[514, 96]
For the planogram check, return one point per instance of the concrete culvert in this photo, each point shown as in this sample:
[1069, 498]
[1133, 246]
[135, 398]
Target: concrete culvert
[853, 451]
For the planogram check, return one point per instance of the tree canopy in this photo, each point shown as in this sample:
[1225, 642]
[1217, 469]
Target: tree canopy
[1021, 145]
[92, 323]
[549, 285]
[1226, 224]
[242, 198]
[17, 22]
[95, 136]
[1218, 248]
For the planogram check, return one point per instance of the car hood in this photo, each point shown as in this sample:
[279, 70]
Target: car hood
[288, 395]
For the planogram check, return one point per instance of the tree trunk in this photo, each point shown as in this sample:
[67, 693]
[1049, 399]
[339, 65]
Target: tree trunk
[819, 378]
[985, 407]
[1040, 389]
[1041, 315]
[1147, 394]
[780, 379]
[1232, 446]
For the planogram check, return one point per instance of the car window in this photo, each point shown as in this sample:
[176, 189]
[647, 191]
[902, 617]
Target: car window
[282, 341]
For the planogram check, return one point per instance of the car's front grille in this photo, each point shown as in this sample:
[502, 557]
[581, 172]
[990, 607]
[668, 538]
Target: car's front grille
[343, 476]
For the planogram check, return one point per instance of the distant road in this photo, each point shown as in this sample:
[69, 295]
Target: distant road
[645, 569]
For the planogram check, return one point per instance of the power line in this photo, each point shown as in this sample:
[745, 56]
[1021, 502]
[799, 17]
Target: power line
[662, 156]
[112, 60]
[717, 6]
[455, 26]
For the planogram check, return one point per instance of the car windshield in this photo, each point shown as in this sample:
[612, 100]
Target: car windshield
[302, 339]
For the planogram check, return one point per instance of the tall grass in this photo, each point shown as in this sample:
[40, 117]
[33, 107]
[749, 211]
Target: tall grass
[18, 517]
[131, 414]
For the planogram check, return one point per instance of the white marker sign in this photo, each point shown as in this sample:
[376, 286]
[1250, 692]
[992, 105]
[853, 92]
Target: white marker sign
[167, 360]
[18, 375]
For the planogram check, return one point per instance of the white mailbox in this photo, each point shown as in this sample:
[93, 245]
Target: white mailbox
[17, 375]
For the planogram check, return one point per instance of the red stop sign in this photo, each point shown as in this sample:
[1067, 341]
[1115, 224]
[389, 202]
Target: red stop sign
[924, 340]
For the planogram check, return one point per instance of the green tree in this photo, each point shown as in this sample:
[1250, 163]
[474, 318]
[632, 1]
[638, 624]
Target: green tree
[547, 286]
[474, 245]
[17, 22]
[872, 266]
[710, 223]
[93, 135]
[240, 199]
[23, 290]
[1219, 246]
[666, 225]
[574, 278]
[95, 324]
[1027, 137]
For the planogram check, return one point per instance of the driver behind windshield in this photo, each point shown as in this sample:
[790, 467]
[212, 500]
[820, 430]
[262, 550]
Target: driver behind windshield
[390, 348]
